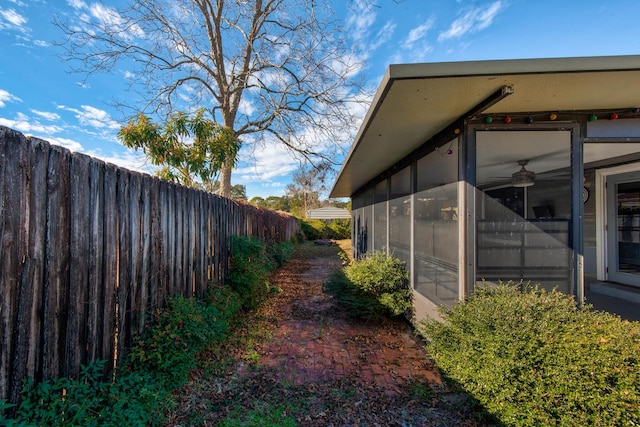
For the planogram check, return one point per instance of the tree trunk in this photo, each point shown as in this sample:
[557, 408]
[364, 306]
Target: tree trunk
[225, 179]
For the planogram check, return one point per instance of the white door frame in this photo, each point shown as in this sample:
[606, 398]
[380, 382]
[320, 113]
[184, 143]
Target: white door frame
[601, 214]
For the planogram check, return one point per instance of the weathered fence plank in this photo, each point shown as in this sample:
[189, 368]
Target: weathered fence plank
[88, 250]
[133, 302]
[123, 317]
[30, 318]
[110, 275]
[96, 290]
[79, 265]
[5, 307]
[15, 263]
[56, 263]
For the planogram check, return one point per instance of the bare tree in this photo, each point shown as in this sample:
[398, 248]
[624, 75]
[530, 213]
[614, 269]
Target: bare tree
[308, 184]
[268, 70]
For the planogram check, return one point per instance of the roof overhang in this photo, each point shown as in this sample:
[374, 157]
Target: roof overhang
[416, 101]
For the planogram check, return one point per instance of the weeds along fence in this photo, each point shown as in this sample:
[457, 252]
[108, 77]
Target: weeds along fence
[88, 250]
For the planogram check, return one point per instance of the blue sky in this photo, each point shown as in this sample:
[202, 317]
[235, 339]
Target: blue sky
[39, 97]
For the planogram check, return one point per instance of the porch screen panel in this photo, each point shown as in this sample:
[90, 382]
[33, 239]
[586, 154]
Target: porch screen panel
[523, 223]
[436, 228]
[400, 215]
[356, 225]
[368, 219]
[380, 217]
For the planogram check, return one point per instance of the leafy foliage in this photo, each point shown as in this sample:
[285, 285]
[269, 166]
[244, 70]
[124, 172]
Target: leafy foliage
[183, 329]
[280, 252]
[338, 229]
[250, 268]
[131, 398]
[372, 286]
[186, 147]
[532, 358]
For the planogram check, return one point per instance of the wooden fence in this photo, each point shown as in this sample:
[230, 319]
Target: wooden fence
[88, 249]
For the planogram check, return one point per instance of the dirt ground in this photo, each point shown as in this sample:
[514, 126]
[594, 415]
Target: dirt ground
[302, 360]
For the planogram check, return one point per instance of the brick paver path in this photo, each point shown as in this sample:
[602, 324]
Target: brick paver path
[315, 341]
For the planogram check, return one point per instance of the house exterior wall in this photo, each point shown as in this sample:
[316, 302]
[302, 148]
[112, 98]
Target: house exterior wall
[427, 213]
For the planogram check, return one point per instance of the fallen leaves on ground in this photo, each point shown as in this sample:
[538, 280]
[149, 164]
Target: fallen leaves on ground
[237, 378]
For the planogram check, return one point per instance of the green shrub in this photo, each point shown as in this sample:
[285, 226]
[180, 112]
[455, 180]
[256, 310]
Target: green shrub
[180, 331]
[315, 229]
[140, 389]
[341, 229]
[385, 278]
[531, 357]
[131, 399]
[372, 286]
[250, 269]
[280, 252]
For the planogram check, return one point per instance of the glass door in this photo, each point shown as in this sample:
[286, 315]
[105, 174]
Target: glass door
[623, 228]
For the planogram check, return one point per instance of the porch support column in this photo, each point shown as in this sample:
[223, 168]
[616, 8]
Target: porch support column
[577, 214]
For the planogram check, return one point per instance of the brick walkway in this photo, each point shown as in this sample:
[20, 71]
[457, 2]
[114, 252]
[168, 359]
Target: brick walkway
[315, 341]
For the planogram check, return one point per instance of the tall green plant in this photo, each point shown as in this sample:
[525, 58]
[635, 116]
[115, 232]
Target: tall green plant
[250, 269]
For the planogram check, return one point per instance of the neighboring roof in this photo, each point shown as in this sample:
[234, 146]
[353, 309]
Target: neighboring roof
[416, 101]
[328, 213]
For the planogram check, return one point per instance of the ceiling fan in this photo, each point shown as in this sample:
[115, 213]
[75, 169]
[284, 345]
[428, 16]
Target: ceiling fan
[524, 177]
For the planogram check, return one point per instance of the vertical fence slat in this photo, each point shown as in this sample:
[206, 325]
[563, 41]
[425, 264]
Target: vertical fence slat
[178, 243]
[32, 319]
[14, 263]
[5, 311]
[124, 261]
[111, 254]
[97, 290]
[133, 297]
[147, 279]
[56, 263]
[163, 247]
[79, 267]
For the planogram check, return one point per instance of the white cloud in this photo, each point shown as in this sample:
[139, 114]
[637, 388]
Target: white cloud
[418, 33]
[69, 144]
[128, 159]
[246, 107]
[41, 43]
[92, 117]
[361, 19]
[27, 125]
[472, 21]
[109, 17]
[12, 20]
[266, 164]
[46, 115]
[129, 75]
[77, 4]
[7, 97]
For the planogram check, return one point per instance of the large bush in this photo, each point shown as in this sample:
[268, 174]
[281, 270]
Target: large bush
[531, 357]
[337, 229]
[376, 284]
